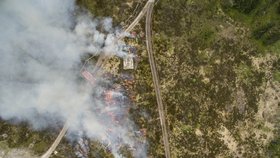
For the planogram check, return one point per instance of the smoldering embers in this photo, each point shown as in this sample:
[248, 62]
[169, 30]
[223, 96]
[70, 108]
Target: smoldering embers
[40, 52]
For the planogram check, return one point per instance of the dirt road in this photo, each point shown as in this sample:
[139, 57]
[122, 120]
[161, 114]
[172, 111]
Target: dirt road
[102, 58]
[56, 142]
[156, 80]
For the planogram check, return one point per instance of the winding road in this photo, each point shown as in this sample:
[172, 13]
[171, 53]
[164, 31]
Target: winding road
[56, 142]
[102, 58]
[156, 80]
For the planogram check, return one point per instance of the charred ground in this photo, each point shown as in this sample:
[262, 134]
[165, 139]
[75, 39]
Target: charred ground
[218, 62]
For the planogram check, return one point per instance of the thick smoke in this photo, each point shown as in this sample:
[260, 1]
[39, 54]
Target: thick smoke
[42, 43]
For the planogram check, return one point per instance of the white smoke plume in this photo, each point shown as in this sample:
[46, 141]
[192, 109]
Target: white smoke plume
[41, 45]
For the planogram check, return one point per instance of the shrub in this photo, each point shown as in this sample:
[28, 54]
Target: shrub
[245, 6]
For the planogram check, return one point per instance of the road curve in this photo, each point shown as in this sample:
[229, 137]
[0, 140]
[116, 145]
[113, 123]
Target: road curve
[156, 80]
[139, 17]
[56, 142]
[102, 58]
